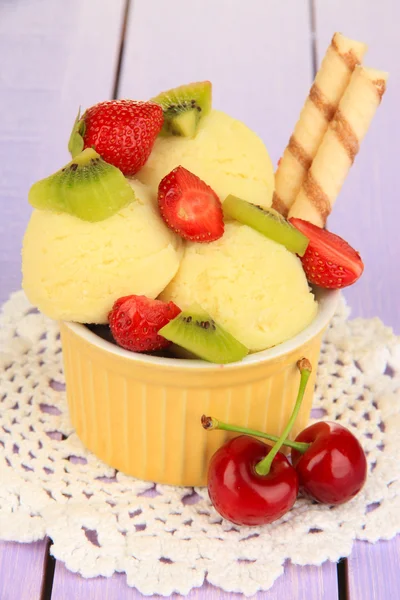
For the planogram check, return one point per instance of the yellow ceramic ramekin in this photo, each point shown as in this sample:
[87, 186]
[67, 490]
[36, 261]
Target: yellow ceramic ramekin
[141, 414]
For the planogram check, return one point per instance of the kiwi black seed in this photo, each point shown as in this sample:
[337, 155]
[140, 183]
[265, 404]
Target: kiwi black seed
[268, 222]
[197, 332]
[184, 107]
[87, 187]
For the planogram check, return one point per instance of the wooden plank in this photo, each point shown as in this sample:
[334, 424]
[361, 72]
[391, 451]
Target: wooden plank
[368, 211]
[21, 570]
[306, 583]
[373, 571]
[257, 55]
[55, 56]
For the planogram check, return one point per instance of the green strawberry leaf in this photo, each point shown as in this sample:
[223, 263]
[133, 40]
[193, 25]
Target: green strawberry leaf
[76, 143]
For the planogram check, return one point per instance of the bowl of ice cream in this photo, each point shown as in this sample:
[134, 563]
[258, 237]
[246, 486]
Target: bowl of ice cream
[161, 232]
[141, 414]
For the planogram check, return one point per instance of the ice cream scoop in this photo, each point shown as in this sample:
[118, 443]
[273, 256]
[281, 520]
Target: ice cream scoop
[225, 153]
[252, 286]
[75, 270]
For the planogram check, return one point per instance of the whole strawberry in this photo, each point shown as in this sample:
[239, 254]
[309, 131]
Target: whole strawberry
[329, 261]
[123, 132]
[136, 320]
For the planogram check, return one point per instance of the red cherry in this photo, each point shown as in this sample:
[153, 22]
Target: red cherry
[334, 467]
[243, 496]
[249, 482]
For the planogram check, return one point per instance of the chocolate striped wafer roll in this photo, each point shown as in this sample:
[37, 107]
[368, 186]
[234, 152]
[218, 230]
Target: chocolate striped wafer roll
[339, 146]
[329, 85]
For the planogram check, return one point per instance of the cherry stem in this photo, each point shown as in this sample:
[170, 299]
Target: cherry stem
[264, 466]
[211, 423]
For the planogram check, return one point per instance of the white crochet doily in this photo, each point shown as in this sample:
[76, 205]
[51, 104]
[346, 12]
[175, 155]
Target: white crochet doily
[170, 539]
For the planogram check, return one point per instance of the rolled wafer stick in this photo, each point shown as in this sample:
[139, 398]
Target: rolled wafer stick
[339, 146]
[329, 85]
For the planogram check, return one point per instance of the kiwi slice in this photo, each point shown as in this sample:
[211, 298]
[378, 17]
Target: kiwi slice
[87, 187]
[183, 108]
[197, 332]
[268, 222]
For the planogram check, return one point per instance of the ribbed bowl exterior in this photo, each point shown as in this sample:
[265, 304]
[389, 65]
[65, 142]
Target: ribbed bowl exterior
[144, 419]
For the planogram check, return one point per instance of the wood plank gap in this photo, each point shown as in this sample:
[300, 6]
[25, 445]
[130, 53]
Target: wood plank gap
[313, 27]
[48, 575]
[121, 52]
[343, 580]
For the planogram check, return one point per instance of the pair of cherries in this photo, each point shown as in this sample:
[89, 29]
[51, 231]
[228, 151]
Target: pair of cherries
[252, 483]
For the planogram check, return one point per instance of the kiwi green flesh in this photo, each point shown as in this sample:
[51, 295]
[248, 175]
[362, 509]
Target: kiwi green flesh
[194, 98]
[184, 124]
[87, 187]
[195, 331]
[268, 222]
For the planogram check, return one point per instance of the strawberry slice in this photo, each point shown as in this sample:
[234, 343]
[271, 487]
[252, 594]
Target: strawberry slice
[136, 320]
[190, 207]
[329, 261]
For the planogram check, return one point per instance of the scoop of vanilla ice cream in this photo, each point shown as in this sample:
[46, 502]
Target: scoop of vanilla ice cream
[249, 284]
[74, 270]
[225, 153]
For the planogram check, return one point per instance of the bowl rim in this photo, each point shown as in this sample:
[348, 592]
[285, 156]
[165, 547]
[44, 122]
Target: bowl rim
[327, 303]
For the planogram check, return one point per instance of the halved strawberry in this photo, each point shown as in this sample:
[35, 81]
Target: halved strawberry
[190, 207]
[136, 320]
[329, 261]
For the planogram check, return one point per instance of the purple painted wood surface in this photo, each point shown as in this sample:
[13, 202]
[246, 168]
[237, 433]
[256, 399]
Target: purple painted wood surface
[298, 583]
[46, 72]
[21, 570]
[373, 571]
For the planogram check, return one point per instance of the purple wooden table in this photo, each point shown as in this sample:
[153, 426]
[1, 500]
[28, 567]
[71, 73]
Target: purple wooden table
[260, 57]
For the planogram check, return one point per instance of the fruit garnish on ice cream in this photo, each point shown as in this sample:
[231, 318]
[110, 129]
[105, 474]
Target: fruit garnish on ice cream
[190, 207]
[329, 261]
[248, 275]
[123, 132]
[87, 187]
[268, 222]
[196, 331]
[184, 107]
[136, 320]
